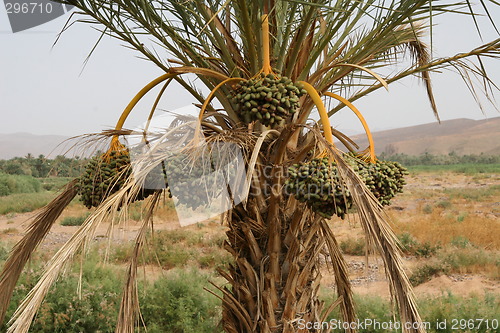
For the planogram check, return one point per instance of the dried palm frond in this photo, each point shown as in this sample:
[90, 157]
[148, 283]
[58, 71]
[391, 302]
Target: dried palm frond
[342, 282]
[108, 210]
[23, 250]
[129, 307]
[380, 235]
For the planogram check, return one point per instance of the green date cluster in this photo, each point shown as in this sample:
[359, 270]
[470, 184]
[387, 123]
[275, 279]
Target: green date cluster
[104, 175]
[318, 184]
[192, 179]
[269, 99]
[385, 179]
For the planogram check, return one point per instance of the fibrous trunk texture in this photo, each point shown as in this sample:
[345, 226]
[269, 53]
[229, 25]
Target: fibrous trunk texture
[277, 292]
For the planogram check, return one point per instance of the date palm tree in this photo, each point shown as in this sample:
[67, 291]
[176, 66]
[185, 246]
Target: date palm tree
[331, 51]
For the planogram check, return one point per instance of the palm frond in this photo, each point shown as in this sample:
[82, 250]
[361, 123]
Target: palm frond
[22, 251]
[129, 312]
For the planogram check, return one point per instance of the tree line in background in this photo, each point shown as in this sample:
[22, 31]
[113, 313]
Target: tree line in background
[42, 167]
[431, 159]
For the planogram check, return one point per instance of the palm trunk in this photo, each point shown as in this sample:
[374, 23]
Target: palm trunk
[275, 277]
[277, 244]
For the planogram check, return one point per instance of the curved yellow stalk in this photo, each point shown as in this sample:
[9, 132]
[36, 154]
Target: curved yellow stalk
[207, 101]
[135, 100]
[212, 94]
[363, 122]
[322, 111]
[266, 55]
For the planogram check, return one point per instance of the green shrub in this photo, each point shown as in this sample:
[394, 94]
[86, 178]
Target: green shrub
[433, 310]
[408, 242]
[461, 259]
[445, 204]
[11, 184]
[4, 253]
[460, 242]
[178, 303]
[427, 209]
[24, 202]
[461, 217]
[425, 273]
[425, 250]
[355, 247]
[411, 246]
[74, 220]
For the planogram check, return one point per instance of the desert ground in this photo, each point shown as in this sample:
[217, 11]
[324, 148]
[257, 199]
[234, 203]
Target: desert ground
[440, 212]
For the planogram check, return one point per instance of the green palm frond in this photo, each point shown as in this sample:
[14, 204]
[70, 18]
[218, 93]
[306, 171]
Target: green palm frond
[306, 37]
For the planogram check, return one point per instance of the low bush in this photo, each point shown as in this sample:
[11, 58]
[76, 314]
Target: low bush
[74, 220]
[411, 246]
[444, 204]
[25, 202]
[471, 260]
[426, 272]
[173, 303]
[12, 184]
[179, 303]
[427, 209]
[474, 194]
[454, 309]
[354, 247]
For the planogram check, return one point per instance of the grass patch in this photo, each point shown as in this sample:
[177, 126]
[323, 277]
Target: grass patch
[54, 183]
[354, 247]
[412, 246]
[12, 184]
[426, 272]
[74, 220]
[471, 260]
[179, 248]
[433, 310]
[466, 168]
[439, 229]
[214, 258]
[25, 202]
[461, 242]
[474, 194]
[468, 260]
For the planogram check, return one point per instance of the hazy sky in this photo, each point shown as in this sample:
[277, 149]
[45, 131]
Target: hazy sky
[43, 92]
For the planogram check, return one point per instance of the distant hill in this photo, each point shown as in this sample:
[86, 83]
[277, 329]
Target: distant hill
[463, 136]
[20, 144]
